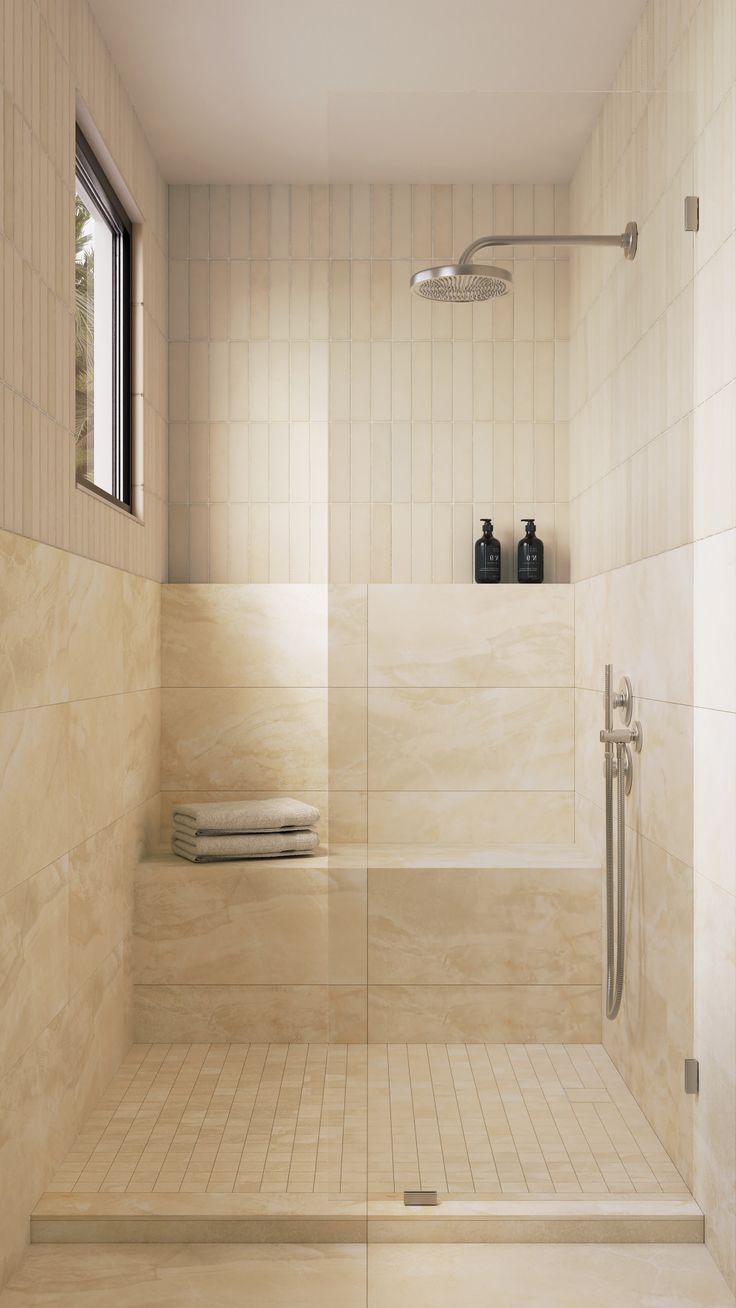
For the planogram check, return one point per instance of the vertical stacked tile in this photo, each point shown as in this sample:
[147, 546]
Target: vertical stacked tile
[653, 532]
[325, 424]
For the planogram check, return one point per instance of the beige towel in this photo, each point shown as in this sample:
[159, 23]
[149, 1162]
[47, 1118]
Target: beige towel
[242, 816]
[265, 844]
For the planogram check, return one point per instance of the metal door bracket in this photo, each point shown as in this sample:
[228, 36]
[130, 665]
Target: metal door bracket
[692, 1076]
[692, 213]
[420, 1198]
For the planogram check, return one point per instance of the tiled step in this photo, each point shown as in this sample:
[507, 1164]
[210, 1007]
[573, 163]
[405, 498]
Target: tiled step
[79, 1218]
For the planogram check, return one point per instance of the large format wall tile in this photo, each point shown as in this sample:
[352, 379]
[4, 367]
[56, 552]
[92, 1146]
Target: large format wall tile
[34, 640]
[141, 633]
[34, 794]
[457, 817]
[715, 622]
[96, 765]
[714, 802]
[244, 635]
[470, 739]
[348, 741]
[237, 739]
[95, 629]
[51, 1089]
[34, 949]
[638, 618]
[100, 898]
[475, 636]
[278, 1013]
[231, 924]
[494, 926]
[499, 1014]
[660, 804]
[653, 1033]
[348, 635]
[714, 1044]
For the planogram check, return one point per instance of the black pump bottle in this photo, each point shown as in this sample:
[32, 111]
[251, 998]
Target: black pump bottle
[487, 555]
[530, 555]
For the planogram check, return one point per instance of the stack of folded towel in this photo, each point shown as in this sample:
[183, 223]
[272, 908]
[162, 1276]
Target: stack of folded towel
[251, 828]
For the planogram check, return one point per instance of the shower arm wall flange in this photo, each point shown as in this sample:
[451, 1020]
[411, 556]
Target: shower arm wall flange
[626, 241]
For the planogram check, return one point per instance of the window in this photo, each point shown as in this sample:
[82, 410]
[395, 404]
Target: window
[102, 332]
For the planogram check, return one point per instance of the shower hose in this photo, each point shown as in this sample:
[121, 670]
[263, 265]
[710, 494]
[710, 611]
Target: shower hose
[615, 898]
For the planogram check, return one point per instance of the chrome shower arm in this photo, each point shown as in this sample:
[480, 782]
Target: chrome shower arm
[626, 241]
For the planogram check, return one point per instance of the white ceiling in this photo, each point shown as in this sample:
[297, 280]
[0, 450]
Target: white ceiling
[367, 90]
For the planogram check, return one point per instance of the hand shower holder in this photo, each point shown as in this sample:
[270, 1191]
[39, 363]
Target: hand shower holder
[618, 767]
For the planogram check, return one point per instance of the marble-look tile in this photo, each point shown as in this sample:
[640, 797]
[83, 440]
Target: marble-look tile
[635, 617]
[509, 1014]
[96, 765]
[470, 739]
[34, 818]
[654, 1030]
[192, 1013]
[347, 1014]
[450, 635]
[227, 924]
[34, 633]
[714, 1045]
[141, 633]
[348, 635]
[348, 817]
[714, 797]
[170, 798]
[347, 942]
[34, 958]
[496, 926]
[140, 712]
[714, 622]
[191, 1275]
[49, 1092]
[100, 898]
[95, 629]
[244, 635]
[348, 738]
[660, 805]
[544, 1276]
[456, 817]
[243, 739]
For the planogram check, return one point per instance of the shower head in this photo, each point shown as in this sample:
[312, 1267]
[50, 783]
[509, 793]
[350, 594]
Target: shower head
[461, 283]
[465, 281]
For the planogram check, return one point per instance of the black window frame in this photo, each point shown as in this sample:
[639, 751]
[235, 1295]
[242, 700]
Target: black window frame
[91, 173]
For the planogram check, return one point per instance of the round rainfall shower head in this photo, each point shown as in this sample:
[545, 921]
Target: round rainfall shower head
[461, 283]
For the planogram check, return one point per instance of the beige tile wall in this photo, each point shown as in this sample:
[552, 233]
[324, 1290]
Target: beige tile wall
[79, 646]
[653, 519]
[79, 759]
[52, 52]
[411, 715]
[325, 423]
[431, 714]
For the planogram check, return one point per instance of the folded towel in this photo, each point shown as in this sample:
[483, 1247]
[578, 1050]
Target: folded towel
[244, 815]
[265, 844]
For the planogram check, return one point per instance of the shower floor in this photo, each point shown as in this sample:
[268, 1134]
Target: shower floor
[241, 1132]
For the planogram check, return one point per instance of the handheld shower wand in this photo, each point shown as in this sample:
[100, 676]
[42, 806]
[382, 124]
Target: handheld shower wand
[618, 765]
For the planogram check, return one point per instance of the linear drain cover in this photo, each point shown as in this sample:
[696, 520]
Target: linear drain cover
[420, 1198]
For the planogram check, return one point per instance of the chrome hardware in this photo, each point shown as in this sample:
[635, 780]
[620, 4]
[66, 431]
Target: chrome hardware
[623, 699]
[624, 736]
[692, 1076]
[618, 766]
